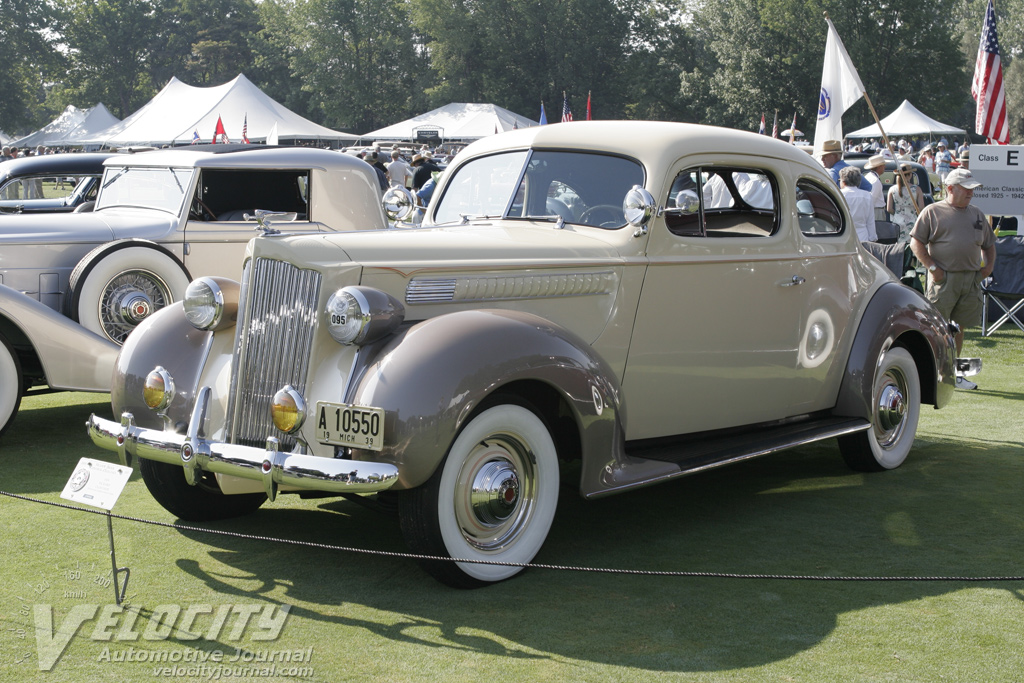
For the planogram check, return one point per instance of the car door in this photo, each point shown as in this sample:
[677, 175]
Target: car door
[716, 338]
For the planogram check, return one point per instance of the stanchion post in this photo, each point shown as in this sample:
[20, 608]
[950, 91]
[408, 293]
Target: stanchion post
[114, 570]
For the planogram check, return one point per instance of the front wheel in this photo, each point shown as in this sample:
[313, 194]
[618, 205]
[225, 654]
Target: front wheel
[10, 384]
[895, 407]
[203, 502]
[493, 498]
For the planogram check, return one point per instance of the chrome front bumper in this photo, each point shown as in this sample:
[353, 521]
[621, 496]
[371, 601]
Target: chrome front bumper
[196, 455]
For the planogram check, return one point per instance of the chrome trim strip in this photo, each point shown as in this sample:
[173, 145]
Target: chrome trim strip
[508, 287]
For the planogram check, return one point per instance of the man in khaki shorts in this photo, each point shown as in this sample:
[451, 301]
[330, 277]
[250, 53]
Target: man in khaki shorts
[950, 239]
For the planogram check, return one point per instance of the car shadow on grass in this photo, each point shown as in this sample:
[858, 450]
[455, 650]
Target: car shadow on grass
[794, 514]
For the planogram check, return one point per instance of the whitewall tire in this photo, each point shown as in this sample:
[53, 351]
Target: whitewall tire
[493, 498]
[895, 410]
[10, 384]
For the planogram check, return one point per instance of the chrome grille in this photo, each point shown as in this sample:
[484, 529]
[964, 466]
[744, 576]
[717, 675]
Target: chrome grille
[278, 317]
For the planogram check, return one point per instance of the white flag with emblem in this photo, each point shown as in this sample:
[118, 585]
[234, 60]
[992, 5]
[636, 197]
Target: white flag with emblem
[840, 88]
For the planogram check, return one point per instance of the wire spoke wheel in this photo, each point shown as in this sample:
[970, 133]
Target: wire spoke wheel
[128, 299]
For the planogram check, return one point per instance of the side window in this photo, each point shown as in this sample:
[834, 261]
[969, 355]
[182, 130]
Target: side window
[723, 202]
[231, 193]
[818, 213]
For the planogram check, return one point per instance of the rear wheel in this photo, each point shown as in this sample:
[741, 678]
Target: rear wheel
[493, 498]
[203, 502]
[896, 407]
[10, 384]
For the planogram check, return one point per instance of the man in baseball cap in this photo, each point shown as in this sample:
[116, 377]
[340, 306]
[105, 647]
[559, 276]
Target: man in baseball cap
[954, 241]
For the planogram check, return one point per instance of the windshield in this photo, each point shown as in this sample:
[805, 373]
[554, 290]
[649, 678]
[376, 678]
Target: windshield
[162, 189]
[576, 187]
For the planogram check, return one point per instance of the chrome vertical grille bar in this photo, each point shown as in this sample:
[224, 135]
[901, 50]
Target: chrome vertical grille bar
[273, 346]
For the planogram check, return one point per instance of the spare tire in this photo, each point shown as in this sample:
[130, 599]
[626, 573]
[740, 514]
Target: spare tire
[118, 285]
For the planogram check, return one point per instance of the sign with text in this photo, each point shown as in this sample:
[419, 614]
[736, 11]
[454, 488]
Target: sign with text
[96, 483]
[1000, 170]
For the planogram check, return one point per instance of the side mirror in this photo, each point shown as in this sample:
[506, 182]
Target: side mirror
[687, 201]
[638, 207]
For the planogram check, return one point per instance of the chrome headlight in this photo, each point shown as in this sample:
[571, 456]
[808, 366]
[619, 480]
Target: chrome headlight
[211, 303]
[360, 315]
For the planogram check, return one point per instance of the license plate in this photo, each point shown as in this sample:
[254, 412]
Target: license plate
[342, 424]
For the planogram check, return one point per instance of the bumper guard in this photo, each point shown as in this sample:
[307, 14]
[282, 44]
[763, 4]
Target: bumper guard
[196, 454]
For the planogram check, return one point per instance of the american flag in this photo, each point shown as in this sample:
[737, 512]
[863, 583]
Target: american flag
[588, 107]
[775, 125]
[566, 114]
[987, 88]
[760, 130]
[195, 137]
[245, 130]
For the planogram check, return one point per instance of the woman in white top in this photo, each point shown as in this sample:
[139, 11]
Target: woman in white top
[899, 204]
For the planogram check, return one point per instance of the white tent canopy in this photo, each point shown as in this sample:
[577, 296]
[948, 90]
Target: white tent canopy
[455, 121]
[907, 120]
[73, 122]
[179, 112]
[96, 119]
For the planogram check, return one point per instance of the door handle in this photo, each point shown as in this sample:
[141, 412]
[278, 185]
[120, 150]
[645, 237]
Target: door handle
[797, 280]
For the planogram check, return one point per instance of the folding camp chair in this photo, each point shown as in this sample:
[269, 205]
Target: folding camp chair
[1004, 291]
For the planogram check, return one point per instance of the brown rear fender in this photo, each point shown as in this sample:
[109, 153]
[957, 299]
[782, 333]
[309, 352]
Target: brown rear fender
[899, 315]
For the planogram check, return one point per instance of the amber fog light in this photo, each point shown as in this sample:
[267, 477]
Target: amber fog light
[288, 410]
[158, 390]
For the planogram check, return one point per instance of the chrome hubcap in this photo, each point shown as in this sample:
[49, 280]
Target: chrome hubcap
[495, 494]
[135, 307]
[891, 410]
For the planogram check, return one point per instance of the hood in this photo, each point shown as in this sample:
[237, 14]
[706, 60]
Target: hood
[88, 227]
[503, 243]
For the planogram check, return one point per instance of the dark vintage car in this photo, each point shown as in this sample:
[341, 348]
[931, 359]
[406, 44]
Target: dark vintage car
[74, 180]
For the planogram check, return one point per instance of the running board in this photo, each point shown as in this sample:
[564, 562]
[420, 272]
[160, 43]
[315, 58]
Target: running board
[652, 464]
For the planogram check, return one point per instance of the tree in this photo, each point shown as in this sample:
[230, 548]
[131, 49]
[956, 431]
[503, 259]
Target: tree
[510, 52]
[109, 44]
[768, 54]
[27, 59]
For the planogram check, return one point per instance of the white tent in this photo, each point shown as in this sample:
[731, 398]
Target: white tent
[455, 121]
[907, 120]
[180, 113]
[4, 138]
[96, 119]
[68, 120]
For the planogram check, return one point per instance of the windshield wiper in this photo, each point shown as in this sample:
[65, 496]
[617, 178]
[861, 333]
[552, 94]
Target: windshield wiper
[116, 176]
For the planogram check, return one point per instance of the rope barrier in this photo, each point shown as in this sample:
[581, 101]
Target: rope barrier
[556, 567]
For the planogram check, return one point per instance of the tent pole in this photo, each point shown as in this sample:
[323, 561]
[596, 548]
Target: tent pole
[885, 139]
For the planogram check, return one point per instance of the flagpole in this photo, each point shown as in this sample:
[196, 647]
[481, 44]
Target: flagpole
[885, 140]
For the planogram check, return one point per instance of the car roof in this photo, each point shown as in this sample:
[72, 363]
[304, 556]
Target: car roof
[238, 156]
[657, 144]
[70, 164]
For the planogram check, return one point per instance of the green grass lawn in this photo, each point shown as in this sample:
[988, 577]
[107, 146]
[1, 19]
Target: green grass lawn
[954, 509]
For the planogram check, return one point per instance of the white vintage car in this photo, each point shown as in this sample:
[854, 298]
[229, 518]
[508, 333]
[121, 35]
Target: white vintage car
[651, 299]
[161, 219]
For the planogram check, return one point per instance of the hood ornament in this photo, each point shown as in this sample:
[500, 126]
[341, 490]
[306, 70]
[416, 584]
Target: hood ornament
[265, 220]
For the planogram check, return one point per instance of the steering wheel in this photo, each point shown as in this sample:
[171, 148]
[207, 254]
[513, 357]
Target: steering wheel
[201, 211]
[603, 215]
